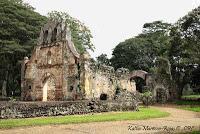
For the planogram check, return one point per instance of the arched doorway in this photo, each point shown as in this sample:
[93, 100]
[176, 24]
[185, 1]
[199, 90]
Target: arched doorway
[49, 88]
[139, 76]
[45, 37]
[140, 84]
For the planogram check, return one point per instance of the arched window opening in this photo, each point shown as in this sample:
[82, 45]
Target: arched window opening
[54, 34]
[49, 57]
[117, 91]
[45, 37]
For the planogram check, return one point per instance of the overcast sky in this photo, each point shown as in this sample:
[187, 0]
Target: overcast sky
[113, 21]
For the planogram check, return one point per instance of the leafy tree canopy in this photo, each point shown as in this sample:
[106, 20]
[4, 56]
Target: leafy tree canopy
[140, 52]
[19, 26]
[157, 33]
[103, 59]
[19, 29]
[188, 31]
[184, 52]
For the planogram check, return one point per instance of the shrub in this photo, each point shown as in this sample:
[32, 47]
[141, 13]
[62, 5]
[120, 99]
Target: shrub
[147, 98]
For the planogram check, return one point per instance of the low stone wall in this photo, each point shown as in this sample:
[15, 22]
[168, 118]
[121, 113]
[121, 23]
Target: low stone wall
[38, 109]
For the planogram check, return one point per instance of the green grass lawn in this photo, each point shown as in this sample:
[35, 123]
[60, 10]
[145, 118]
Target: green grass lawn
[191, 97]
[193, 132]
[191, 105]
[194, 109]
[187, 102]
[144, 113]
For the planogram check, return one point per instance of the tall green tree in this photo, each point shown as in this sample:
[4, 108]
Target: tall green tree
[103, 59]
[184, 52]
[81, 35]
[140, 52]
[189, 28]
[157, 33]
[19, 29]
[196, 80]
[134, 54]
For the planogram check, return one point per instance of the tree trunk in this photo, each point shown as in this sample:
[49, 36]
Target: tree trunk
[4, 93]
[4, 85]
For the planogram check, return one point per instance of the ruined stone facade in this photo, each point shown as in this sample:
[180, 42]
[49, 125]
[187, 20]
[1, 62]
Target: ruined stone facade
[56, 71]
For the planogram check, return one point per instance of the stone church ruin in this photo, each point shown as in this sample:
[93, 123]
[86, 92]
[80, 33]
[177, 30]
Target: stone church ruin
[60, 81]
[57, 72]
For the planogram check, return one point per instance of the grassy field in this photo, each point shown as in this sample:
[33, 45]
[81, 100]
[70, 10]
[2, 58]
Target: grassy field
[194, 109]
[144, 113]
[187, 102]
[191, 97]
[191, 105]
[194, 132]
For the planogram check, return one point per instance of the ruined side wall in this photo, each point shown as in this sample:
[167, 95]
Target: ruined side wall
[70, 74]
[86, 78]
[123, 80]
[28, 75]
[104, 83]
[101, 79]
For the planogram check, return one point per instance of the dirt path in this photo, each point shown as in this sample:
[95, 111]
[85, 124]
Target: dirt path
[179, 120]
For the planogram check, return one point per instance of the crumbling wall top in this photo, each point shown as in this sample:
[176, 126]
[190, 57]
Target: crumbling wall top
[122, 71]
[53, 32]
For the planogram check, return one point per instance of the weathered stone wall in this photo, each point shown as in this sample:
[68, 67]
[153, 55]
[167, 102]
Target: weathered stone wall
[38, 109]
[70, 74]
[123, 80]
[100, 79]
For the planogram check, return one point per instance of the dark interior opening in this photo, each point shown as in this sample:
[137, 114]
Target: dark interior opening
[71, 88]
[49, 57]
[140, 83]
[45, 37]
[103, 97]
[117, 91]
[54, 33]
